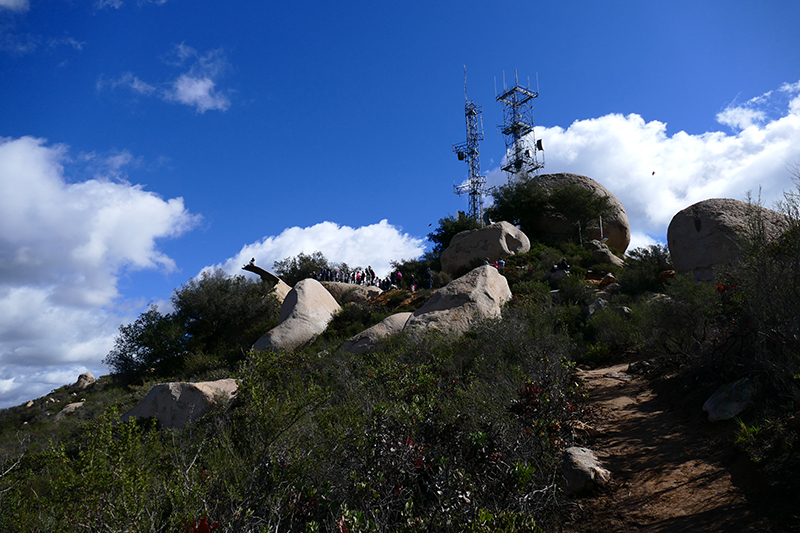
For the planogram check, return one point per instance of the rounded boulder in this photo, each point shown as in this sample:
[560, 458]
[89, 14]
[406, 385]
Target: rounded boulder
[616, 227]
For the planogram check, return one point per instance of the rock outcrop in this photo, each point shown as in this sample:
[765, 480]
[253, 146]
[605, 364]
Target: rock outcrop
[85, 380]
[69, 408]
[478, 295]
[281, 290]
[707, 234]
[470, 248]
[349, 293]
[367, 339]
[305, 313]
[616, 227]
[602, 254]
[177, 404]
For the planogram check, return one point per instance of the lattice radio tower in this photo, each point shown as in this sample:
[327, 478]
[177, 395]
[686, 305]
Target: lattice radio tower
[468, 151]
[522, 147]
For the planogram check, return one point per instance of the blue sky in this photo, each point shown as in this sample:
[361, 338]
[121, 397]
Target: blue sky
[143, 141]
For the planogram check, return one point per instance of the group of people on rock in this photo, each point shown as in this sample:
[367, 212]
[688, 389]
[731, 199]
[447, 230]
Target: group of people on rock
[357, 276]
[367, 277]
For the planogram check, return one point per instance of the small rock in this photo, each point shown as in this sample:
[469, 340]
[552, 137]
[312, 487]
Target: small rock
[29, 404]
[729, 400]
[607, 280]
[582, 470]
[639, 367]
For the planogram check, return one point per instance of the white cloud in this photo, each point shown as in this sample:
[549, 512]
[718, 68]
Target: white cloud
[196, 87]
[198, 92]
[655, 175]
[374, 245]
[66, 41]
[15, 5]
[102, 4]
[63, 247]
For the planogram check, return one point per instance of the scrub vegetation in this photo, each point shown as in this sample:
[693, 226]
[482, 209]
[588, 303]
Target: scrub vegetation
[432, 433]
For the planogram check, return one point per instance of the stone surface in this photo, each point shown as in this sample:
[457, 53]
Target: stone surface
[179, 403]
[706, 234]
[349, 293]
[477, 295]
[85, 380]
[582, 470]
[364, 341]
[474, 246]
[281, 290]
[305, 313]
[69, 408]
[616, 227]
[730, 400]
[602, 254]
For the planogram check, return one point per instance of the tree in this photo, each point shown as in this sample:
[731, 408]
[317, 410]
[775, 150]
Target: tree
[302, 266]
[152, 341]
[522, 203]
[216, 316]
[444, 233]
[224, 315]
[519, 203]
[581, 207]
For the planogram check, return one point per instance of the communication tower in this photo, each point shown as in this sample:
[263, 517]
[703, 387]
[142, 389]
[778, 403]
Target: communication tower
[468, 151]
[522, 147]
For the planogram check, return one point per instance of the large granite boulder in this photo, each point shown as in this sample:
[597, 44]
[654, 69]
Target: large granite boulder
[85, 380]
[305, 313]
[477, 295]
[616, 227]
[345, 293]
[491, 242]
[364, 341]
[707, 234]
[69, 408]
[281, 290]
[179, 403]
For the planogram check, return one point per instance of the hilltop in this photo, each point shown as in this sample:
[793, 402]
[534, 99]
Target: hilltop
[441, 429]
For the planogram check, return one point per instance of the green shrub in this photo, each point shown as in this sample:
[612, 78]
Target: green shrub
[643, 267]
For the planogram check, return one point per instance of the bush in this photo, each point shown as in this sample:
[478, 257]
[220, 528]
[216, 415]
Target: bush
[643, 267]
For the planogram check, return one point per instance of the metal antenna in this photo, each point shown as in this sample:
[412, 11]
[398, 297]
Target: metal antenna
[465, 84]
[522, 148]
[469, 151]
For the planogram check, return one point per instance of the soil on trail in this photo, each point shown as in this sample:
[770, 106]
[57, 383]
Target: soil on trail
[671, 471]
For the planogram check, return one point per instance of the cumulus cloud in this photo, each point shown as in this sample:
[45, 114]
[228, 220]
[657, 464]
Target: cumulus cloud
[656, 174]
[15, 5]
[196, 87]
[63, 246]
[374, 245]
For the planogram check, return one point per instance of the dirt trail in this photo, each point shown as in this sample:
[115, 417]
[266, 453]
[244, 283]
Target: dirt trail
[671, 472]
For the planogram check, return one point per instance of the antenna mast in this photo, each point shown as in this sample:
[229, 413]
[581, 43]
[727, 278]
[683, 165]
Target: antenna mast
[469, 151]
[522, 147]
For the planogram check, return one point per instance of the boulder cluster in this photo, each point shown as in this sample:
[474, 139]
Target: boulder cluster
[700, 238]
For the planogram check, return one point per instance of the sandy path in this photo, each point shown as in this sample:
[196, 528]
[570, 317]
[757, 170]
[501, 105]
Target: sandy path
[671, 473]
